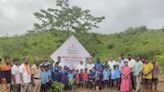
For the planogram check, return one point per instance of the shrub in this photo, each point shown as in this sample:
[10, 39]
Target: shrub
[110, 46]
[71, 83]
[57, 87]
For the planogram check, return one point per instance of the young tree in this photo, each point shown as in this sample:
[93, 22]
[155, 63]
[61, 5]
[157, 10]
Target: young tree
[67, 18]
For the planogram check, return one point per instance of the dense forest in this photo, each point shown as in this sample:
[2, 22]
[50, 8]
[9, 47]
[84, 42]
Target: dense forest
[135, 41]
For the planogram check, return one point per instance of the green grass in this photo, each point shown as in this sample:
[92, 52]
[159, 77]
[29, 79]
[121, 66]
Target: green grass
[135, 41]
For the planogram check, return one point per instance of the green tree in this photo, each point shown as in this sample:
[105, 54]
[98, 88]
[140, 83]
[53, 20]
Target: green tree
[67, 18]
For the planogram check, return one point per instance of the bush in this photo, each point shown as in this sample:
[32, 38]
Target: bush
[110, 46]
[71, 83]
[160, 59]
[57, 87]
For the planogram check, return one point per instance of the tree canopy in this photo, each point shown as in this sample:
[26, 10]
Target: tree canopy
[67, 18]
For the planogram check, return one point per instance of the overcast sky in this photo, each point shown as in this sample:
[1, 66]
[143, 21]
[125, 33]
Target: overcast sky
[16, 15]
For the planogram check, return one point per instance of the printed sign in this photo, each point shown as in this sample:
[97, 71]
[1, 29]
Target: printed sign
[71, 53]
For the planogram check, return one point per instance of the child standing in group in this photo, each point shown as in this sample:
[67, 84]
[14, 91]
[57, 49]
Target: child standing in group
[113, 78]
[71, 79]
[97, 79]
[81, 78]
[106, 74]
[101, 77]
[42, 78]
[118, 77]
[60, 74]
[85, 78]
[55, 72]
[91, 78]
[46, 79]
[65, 77]
[77, 78]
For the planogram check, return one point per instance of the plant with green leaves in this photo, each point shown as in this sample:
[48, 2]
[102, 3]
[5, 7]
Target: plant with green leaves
[57, 87]
[71, 83]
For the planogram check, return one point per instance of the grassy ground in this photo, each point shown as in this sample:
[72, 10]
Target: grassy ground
[160, 88]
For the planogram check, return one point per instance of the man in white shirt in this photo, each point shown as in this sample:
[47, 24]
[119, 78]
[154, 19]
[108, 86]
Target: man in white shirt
[25, 75]
[138, 73]
[132, 64]
[90, 65]
[81, 66]
[16, 82]
[111, 62]
[46, 62]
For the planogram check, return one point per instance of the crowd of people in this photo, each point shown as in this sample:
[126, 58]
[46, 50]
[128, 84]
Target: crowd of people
[124, 75]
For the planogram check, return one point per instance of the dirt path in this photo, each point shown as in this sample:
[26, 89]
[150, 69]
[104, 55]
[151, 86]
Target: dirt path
[160, 87]
[161, 83]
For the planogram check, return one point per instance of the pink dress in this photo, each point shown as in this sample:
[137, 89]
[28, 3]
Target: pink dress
[125, 78]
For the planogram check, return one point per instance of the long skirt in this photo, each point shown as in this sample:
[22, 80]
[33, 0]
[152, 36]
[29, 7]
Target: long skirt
[125, 83]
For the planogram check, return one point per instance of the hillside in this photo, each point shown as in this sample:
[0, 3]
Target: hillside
[136, 41]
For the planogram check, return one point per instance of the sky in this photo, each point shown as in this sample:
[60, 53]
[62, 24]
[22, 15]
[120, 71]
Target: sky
[16, 16]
